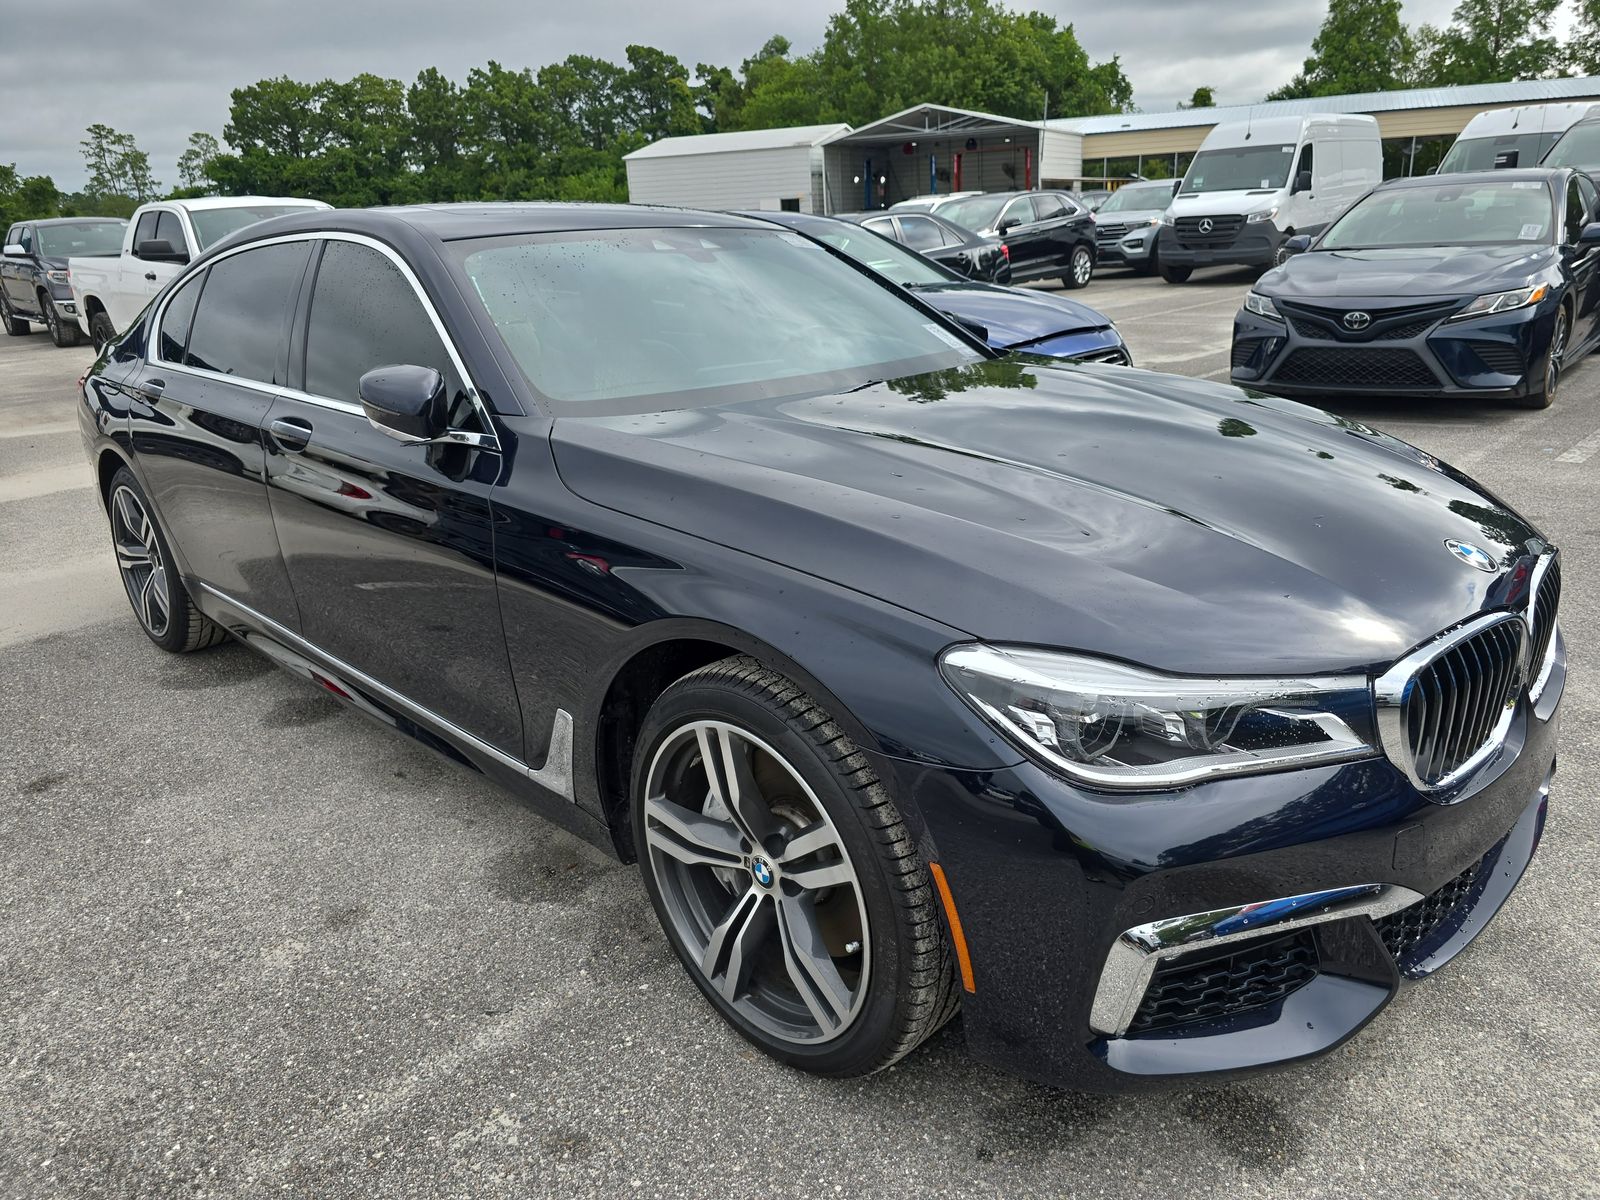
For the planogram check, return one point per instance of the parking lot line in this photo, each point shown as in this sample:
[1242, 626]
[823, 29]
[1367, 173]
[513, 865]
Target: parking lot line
[38, 430]
[1582, 451]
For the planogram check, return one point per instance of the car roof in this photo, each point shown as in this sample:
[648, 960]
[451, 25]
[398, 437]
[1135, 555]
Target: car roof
[74, 221]
[202, 203]
[1504, 175]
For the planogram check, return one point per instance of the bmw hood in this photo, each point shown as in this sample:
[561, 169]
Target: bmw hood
[1423, 274]
[1013, 316]
[1189, 526]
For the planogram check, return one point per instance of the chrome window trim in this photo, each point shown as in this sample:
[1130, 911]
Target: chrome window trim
[555, 775]
[1389, 693]
[1540, 671]
[485, 441]
[1137, 952]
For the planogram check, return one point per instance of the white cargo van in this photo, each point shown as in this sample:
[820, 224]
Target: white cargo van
[1511, 137]
[1255, 184]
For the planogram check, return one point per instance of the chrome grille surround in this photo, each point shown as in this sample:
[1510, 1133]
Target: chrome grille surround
[1445, 708]
[1545, 589]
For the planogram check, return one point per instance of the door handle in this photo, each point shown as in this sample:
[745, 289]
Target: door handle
[150, 390]
[290, 433]
[150, 275]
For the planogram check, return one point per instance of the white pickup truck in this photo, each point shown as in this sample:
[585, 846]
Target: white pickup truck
[161, 238]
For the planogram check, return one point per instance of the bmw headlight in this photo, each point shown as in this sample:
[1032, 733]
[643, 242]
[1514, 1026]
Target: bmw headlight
[1266, 214]
[1116, 726]
[1499, 302]
[1262, 306]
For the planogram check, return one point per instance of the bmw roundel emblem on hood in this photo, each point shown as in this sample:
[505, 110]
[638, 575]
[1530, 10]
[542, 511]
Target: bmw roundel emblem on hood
[1470, 554]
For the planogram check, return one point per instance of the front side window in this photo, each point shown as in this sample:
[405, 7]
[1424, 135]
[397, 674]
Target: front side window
[1445, 214]
[27, 238]
[84, 239]
[169, 229]
[364, 314]
[1304, 166]
[1239, 168]
[1576, 210]
[640, 320]
[177, 319]
[211, 225]
[145, 230]
[1018, 212]
[242, 327]
[1579, 147]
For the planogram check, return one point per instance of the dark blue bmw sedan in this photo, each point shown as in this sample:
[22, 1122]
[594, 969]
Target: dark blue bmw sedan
[1480, 283]
[1007, 318]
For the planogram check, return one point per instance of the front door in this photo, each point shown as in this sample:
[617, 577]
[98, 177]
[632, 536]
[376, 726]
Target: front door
[389, 546]
[16, 272]
[142, 279]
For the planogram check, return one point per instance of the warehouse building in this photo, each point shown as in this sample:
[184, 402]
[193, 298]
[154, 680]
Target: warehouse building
[936, 148]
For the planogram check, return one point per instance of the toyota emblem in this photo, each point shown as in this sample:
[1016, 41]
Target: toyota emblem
[1355, 322]
[1206, 225]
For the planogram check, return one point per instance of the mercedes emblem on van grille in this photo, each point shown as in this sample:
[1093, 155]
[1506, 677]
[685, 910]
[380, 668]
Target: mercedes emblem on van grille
[1357, 321]
[1206, 225]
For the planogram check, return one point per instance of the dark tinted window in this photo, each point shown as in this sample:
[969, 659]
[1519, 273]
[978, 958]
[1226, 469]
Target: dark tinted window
[243, 323]
[1019, 210]
[145, 230]
[1587, 190]
[177, 319]
[364, 314]
[27, 237]
[1049, 207]
[1305, 165]
[169, 229]
[921, 234]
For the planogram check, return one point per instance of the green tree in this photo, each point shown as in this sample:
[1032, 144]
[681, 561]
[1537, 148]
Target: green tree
[194, 164]
[1489, 41]
[1362, 46]
[1583, 49]
[1203, 97]
[118, 169]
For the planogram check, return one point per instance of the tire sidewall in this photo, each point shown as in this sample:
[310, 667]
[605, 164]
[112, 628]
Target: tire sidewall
[889, 966]
[100, 321]
[177, 631]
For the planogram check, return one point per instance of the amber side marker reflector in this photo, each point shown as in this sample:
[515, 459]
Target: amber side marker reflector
[960, 939]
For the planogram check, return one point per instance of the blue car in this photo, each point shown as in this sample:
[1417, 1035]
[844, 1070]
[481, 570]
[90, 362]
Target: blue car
[1475, 284]
[1007, 318]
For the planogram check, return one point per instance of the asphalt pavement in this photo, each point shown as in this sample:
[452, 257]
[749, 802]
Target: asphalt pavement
[252, 945]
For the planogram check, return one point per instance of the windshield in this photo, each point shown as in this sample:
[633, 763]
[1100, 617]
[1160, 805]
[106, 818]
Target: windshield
[979, 212]
[1135, 199]
[1479, 154]
[887, 258]
[1579, 147]
[84, 239]
[1241, 168]
[639, 320]
[211, 225]
[1473, 214]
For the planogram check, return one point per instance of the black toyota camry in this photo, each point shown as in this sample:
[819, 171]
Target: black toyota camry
[1166, 730]
[1474, 284]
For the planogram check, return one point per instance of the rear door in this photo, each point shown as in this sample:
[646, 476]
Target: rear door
[388, 545]
[1031, 250]
[197, 405]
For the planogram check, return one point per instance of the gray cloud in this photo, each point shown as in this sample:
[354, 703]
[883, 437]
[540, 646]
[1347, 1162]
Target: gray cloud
[160, 71]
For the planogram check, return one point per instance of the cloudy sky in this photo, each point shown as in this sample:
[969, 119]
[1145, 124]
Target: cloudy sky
[161, 69]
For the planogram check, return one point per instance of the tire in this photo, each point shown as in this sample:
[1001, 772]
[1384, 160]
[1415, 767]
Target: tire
[744, 921]
[1080, 268]
[1281, 255]
[61, 333]
[1554, 362]
[101, 330]
[15, 325]
[161, 603]
[1176, 274]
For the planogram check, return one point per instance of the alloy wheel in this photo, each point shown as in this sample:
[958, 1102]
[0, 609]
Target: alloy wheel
[1558, 353]
[139, 559]
[756, 882]
[52, 320]
[1082, 267]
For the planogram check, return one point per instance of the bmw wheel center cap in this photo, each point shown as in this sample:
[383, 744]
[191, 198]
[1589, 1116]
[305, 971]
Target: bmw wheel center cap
[761, 871]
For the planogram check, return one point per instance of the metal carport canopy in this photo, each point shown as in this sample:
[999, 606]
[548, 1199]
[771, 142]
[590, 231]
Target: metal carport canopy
[931, 120]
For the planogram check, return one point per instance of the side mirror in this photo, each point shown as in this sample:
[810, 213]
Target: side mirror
[1302, 183]
[159, 250]
[1298, 244]
[1590, 235]
[1007, 226]
[405, 402]
[16, 250]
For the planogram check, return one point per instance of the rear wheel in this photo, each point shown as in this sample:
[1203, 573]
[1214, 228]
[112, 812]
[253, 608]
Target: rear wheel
[1555, 359]
[15, 325]
[1176, 274]
[1080, 268]
[61, 332]
[783, 875]
[101, 330]
[160, 601]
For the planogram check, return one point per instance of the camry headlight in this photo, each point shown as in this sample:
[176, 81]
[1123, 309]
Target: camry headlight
[1262, 306]
[1499, 302]
[1117, 726]
[58, 276]
[1265, 214]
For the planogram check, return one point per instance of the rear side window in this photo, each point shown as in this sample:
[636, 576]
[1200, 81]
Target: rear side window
[169, 229]
[1048, 206]
[364, 314]
[177, 319]
[921, 233]
[242, 327]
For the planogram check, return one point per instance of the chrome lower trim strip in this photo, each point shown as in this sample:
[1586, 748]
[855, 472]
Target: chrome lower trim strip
[555, 775]
[1138, 951]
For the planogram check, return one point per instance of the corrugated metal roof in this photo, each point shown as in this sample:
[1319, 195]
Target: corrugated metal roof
[1532, 91]
[748, 139]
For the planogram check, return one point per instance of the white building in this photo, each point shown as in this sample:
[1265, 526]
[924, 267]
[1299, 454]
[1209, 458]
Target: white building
[773, 169]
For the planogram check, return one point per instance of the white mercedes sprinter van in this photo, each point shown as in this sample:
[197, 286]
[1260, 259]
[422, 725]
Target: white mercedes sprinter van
[1511, 137]
[1253, 185]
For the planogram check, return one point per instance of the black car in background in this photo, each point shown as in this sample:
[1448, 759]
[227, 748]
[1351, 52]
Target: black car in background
[1473, 284]
[34, 284]
[1009, 318]
[1046, 233]
[946, 243]
[1166, 729]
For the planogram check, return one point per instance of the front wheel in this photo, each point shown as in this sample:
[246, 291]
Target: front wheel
[1176, 274]
[1554, 361]
[62, 333]
[15, 325]
[783, 875]
[1080, 268]
[101, 330]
